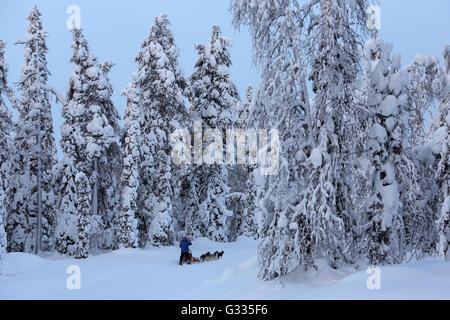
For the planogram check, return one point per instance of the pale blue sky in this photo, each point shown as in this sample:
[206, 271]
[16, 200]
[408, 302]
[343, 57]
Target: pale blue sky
[115, 28]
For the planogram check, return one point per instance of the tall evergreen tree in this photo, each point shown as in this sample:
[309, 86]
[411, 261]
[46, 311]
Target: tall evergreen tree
[89, 137]
[32, 195]
[162, 108]
[212, 93]
[127, 233]
[213, 97]
[109, 166]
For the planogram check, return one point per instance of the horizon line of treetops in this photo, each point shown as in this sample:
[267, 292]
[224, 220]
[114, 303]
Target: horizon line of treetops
[360, 179]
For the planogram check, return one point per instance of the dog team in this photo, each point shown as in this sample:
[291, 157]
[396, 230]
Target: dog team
[210, 257]
[186, 255]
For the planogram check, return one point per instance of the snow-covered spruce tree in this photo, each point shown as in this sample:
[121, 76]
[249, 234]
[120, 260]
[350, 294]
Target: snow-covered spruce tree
[442, 172]
[161, 85]
[84, 215]
[213, 96]
[109, 164]
[5, 150]
[126, 230]
[89, 133]
[161, 231]
[72, 145]
[212, 93]
[35, 156]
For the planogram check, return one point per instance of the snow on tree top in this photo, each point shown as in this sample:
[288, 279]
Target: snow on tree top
[424, 60]
[92, 72]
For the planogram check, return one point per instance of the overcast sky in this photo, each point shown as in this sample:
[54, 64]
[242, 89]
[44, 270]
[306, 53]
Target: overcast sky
[115, 28]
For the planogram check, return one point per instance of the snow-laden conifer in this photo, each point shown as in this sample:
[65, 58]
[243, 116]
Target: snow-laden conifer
[162, 108]
[90, 145]
[32, 194]
[213, 98]
[126, 231]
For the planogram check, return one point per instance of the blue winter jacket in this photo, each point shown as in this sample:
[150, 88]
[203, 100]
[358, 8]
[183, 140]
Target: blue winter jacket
[184, 245]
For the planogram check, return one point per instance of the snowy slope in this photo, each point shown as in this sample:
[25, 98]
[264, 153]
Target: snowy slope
[154, 274]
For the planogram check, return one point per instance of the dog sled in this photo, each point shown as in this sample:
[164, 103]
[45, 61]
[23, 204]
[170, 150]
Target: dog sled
[190, 259]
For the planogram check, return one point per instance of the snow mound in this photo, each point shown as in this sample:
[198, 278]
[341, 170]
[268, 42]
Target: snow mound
[17, 263]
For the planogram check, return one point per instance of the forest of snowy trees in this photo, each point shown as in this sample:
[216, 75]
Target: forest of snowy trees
[363, 154]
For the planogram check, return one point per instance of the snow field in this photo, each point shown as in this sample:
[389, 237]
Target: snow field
[154, 274]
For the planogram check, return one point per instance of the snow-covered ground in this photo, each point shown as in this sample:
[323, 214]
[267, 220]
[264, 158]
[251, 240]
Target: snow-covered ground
[155, 274]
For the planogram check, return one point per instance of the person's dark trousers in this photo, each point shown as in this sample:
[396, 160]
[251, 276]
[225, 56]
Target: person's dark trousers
[184, 257]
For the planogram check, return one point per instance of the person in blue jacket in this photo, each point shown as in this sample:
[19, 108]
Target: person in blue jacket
[184, 245]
